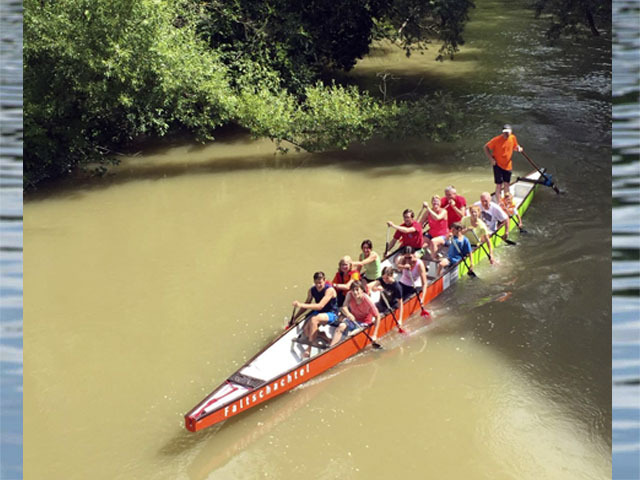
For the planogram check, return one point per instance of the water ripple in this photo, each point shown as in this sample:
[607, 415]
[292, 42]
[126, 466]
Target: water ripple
[626, 240]
[11, 238]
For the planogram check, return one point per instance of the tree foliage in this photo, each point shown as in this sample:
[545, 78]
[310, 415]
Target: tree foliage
[101, 73]
[575, 16]
[98, 74]
[302, 39]
[415, 24]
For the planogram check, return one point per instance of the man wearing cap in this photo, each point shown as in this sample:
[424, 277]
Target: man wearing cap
[499, 150]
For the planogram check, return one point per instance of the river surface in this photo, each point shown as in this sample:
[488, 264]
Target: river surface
[148, 288]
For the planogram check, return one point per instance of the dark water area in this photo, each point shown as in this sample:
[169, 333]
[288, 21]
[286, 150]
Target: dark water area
[625, 189]
[10, 239]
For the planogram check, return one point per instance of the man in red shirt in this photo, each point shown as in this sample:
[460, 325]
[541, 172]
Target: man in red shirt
[454, 204]
[409, 233]
[499, 150]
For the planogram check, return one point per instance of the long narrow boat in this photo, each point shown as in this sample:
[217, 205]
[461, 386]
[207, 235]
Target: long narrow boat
[280, 366]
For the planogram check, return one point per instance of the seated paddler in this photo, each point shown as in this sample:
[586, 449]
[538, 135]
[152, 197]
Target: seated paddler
[360, 309]
[390, 292]
[344, 277]
[324, 310]
[459, 249]
[477, 231]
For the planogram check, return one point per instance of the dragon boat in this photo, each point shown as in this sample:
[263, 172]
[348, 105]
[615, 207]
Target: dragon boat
[280, 366]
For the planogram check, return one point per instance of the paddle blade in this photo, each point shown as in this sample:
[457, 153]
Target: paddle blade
[424, 313]
[401, 330]
[472, 274]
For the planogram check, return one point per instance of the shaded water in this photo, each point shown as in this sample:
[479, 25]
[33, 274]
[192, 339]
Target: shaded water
[148, 289]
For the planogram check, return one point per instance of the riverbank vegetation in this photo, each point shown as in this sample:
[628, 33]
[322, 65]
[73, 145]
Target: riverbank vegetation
[101, 74]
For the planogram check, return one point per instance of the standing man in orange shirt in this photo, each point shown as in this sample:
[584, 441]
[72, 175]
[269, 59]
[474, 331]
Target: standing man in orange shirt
[499, 150]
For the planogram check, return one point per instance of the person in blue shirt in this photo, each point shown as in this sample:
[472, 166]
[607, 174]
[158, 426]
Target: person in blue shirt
[459, 248]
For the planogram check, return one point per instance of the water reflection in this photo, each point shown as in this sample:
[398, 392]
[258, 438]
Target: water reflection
[11, 239]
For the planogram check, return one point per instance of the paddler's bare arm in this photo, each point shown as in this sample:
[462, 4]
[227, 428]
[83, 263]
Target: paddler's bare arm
[504, 224]
[400, 263]
[487, 240]
[301, 309]
[345, 310]
[367, 260]
[487, 152]
[430, 211]
[460, 211]
[328, 295]
[401, 228]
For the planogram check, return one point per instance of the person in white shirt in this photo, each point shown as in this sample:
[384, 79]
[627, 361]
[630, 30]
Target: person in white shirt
[491, 213]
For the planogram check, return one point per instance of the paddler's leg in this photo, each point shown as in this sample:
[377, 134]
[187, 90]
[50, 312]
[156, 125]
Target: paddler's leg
[428, 246]
[375, 332]
[505, 188]
[311, 331]
[337, 335]
[335, 320]
[442, 265]
[437, 243]
[497, 179]
[506, 179]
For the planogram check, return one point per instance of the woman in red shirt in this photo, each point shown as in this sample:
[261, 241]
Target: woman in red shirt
[437, 219]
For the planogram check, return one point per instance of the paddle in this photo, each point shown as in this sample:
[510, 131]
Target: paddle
[386, 302]
[517, 223]
[506, 240]
[374, 344]
[290, 324]
[470, 272]
[548, 182]
[418, 217]
[484, 249]
[423, 312]
[386, 245]
[298, 322]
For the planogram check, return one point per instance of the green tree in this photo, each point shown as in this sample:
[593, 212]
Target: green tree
[303, 40]
[101, 73]
[98, 74]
